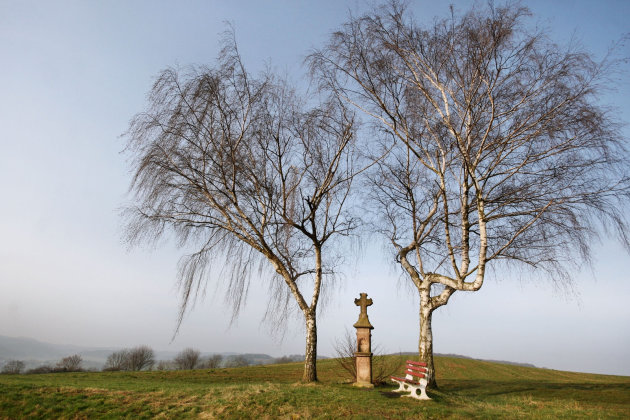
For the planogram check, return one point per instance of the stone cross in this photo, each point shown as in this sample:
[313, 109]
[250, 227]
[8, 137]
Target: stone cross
[363, 302]
[363, 355]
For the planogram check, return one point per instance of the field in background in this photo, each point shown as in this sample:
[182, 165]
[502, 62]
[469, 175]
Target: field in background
[468, 389]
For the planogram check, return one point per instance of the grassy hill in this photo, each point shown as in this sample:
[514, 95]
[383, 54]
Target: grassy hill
[468, 389]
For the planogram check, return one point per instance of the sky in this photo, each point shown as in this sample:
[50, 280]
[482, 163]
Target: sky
[72, 75]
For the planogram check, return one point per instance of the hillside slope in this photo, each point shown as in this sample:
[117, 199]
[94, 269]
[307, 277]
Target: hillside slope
[468, 389]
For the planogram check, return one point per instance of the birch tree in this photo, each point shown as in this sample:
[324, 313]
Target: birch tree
[241, 168]
[500, 148]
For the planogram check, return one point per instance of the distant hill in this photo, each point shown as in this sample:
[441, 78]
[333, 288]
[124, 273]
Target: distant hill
[36, 353]
[28, 348]
[503, 362]
[459, 356]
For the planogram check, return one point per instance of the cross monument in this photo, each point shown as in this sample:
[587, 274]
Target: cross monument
[363, 355]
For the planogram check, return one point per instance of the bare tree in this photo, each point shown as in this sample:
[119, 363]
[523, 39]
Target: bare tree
[70, 364]
[187, 359]
[13, 367]
[212, 362]
[117, 361]
[501, 151]
[239, 168]
[139, 358]
[345, 348]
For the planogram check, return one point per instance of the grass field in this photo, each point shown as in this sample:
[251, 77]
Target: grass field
[468, 389]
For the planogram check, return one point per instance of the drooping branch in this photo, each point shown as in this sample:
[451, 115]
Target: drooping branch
[240, 168]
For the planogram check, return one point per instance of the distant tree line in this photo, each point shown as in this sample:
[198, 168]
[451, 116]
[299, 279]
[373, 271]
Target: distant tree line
[143, 358]
[67, 364]
[190, 358]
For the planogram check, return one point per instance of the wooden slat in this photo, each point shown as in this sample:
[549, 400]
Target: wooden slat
[411, 362]
[409, 381]
[413, 373]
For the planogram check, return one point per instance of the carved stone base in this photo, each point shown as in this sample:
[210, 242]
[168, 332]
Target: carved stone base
[364, 370]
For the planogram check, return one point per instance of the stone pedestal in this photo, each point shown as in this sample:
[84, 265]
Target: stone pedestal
[363, 355]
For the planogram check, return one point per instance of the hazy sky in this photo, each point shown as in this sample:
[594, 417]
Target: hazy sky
[72, 74]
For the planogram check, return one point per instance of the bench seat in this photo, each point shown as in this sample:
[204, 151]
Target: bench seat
[409, 381]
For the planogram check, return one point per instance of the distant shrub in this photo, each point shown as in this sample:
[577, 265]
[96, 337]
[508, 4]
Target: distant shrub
[212, 362]
[13, 367]
[41, 369]
[138, 358]
[70, 364]
[187, 359]
[116, 361]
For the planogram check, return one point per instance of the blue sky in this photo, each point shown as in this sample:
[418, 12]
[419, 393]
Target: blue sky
[74, 72]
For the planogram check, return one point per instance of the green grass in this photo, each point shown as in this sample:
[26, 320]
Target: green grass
[468, 389]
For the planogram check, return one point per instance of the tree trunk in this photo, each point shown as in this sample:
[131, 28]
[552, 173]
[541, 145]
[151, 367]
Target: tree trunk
[310, 359]
[425, 346]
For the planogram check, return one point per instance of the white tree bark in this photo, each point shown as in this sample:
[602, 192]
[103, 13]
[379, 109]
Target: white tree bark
[310, 358]
[425, 345]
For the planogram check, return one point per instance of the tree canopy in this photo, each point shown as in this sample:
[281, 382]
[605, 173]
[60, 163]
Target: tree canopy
[243, 168]
[501, 150]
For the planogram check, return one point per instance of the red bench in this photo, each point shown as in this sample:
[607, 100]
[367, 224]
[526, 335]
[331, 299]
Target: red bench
[416, 378]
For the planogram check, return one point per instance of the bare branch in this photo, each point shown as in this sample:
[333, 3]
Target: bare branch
[498, 147]
[241, 171]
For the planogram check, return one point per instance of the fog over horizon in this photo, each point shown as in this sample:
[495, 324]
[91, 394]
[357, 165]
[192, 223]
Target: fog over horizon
[74, 73]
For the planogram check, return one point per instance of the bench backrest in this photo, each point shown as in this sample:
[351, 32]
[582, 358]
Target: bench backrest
[415, 370]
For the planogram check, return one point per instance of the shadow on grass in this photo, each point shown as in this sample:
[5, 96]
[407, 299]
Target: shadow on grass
[584, 392]
[390, 394]
[436, 396]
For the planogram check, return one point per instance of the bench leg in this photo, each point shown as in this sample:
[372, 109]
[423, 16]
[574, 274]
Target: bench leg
[423, 394]
[413, 393]
[401, 387]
